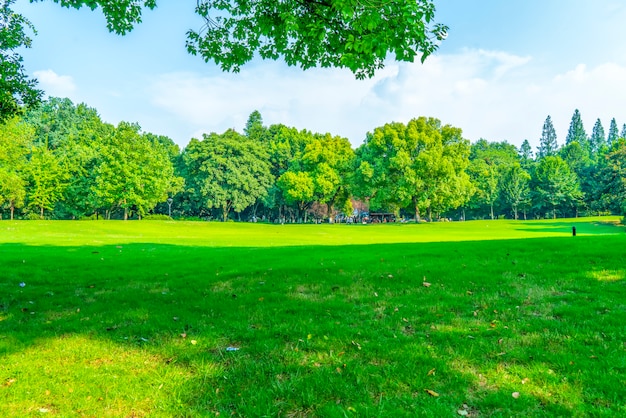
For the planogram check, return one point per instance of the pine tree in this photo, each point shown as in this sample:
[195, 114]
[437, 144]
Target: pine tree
[547, 144]
[623, 134]
[525, 153]
[577, 131]
[254, 126]
[613, 133]
[598, 139]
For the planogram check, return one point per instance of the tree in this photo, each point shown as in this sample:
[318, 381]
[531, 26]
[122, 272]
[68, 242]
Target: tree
[597, 141]
[613, 133]
[525, 152]
[515, 187]
[15, 140]
[353, 34]
[547, 144]
[485, 178]
[329, 160]
[555, 184]
[47, 179]
[420, 166]
[227, 171]
[356, 35]
[488, 163]
[298, 188]
[16, 89]
[623, 134]
[577, 132]
[285, 146]
[254, 126]
[134, 173]
[613, 179]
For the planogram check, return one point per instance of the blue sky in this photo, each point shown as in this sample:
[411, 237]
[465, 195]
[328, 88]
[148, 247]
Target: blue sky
[505, 66]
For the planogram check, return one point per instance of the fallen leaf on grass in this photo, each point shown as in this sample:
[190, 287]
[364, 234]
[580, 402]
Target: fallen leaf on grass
[431, 372]
[425, 284]
[525, 380]
[432, 393]
[515, 395]
[193, 342]
[462, 412]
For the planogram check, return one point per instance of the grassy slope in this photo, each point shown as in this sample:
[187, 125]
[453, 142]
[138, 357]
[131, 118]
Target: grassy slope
[122, 319]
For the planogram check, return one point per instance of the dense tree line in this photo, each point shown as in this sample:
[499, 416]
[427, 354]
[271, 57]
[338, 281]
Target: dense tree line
[61, 161]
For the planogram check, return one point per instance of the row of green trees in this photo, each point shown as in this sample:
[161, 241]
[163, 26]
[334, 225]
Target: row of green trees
[61, 161]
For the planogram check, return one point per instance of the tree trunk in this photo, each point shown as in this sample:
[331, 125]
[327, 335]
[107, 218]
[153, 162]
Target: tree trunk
[125, 214]
[41, 214]
[515, 212]
[491, 206]
[12, 210]
[430, 214]
[329, 209]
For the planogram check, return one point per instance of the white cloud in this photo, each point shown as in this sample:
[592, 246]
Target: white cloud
[489, 94]
[54, 84]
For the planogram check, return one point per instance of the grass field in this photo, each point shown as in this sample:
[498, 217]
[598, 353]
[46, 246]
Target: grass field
[484, 318]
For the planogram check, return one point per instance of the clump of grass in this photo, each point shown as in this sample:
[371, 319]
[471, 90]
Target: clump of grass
[141, 327]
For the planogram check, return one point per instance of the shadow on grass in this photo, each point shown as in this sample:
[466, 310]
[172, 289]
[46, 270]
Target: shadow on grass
[317, 330]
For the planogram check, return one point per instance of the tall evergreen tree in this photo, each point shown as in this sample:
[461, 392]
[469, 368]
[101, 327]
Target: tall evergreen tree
[547, 144]
[613, 133]
[598, 138]
[525, 153]
[577, 131]
[254, 126]
[623, 134]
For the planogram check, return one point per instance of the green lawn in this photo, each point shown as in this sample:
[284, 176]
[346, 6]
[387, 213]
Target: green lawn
[495, 318]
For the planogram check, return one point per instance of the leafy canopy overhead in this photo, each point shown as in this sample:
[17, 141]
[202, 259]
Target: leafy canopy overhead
[16, 89]
[353, 34]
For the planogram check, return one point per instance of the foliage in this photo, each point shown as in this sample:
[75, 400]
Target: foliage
[488, 164]
[597, 140]
[576, 132]
[420, 165]
[555, 184]
[353, 34]
[47, 178]
[15, 141]
[63, 158]
[613, 176]
[134, 173]
[547, 144]
[515, 187]
[357, 35]
[121, 15]
[613, 133]
[16, 89]
[228, 171]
